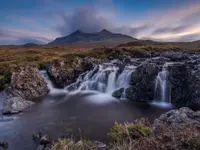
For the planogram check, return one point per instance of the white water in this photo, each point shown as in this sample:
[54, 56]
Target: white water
[162, 86]
[51, 87]
[105, 78]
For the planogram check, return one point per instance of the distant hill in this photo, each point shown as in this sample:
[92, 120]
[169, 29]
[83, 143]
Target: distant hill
[103, 37]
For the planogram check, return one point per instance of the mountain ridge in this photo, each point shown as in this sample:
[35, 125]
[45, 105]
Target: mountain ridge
[104, 36]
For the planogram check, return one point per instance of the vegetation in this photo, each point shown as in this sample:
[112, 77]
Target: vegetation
[69, 144]
[14, 57]
[140, 136]
[122, 137]
[4, 80]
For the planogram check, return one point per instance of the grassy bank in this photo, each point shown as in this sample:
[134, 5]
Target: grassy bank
[139, 136]
[12, 58]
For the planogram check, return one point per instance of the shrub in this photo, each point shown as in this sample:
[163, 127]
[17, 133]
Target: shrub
[4, 80]
[69, 144]
[130, 131]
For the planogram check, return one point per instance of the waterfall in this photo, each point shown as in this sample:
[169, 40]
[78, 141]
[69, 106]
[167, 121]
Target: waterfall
[162, 86]
[105, 78]
[50, 85]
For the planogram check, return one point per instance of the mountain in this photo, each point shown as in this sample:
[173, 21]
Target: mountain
[103, 37]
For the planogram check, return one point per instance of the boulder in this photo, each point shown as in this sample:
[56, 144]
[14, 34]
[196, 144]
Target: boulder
[139, 53]
[65, 73]
[143, 82]
[178, 117]
[15, 105]
[37, 136]
[178, 80]
[45, 140]
[100, 146]
[28, 84]
[118, 93]
[175, 56]
[4, 144]
[178, 129]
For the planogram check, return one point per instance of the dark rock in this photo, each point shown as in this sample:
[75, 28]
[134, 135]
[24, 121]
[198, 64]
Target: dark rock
[178, 117]
[4, 144]
[15, 105]
[65, 73]
[37, 136]
[79, 144]
[178, 129]
[178, 78]
[118, 93]
[28, 84]
[175, 56]
[140, 53]
[142, 82]
[100, 146]
[45, 140]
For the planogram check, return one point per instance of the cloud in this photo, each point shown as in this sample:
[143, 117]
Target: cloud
[84, 19]
[189, 37]
[177, 29]
[13, 36]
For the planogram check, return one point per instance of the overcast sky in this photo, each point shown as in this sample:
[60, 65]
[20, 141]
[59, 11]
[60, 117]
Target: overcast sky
[41, 21]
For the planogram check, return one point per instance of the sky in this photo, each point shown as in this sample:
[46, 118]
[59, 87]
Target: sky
[41, 21]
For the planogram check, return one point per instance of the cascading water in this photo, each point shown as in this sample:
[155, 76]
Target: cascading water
[105, 78]
[51, 87]
[162, 86]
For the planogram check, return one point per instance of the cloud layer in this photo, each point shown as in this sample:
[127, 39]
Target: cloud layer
[177, 24]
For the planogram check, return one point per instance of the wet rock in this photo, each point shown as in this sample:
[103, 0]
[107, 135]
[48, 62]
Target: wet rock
[4, 144]
[79, 143]
[45, 140]
[65, 73]
[37, 136]
[178, 129]
[178, 117]
[175, 56]
[100, 146]
[139, 53]
[15, 105]
[118, 93]
[178, 80]
[28, 84]
[143, 82]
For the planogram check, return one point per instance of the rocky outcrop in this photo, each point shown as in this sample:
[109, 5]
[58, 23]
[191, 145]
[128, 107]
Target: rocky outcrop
[178, 117]
[65, 73]
[175, 56]
[143, 81]
[178, 129]
[178, 80]
[15, 105]
[28, 84]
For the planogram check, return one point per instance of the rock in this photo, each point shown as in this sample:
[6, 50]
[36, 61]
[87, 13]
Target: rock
[79, 144]
[143, 82]
[45, 140]
[178, 117]
[15, 105]
[139, 53]
[118, 93]
[28, 84]
[37, 136]
[4, 144]
[100, 146]
[178, 129]
[175, 56]
[66, 73]
[178, 80]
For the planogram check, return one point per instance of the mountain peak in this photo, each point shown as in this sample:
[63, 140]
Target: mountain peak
[77, 32]
[105, 31]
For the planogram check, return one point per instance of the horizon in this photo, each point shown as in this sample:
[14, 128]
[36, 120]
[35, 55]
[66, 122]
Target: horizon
[42, 21]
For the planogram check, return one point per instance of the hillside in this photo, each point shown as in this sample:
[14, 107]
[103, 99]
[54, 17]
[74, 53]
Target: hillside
[81, 39]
